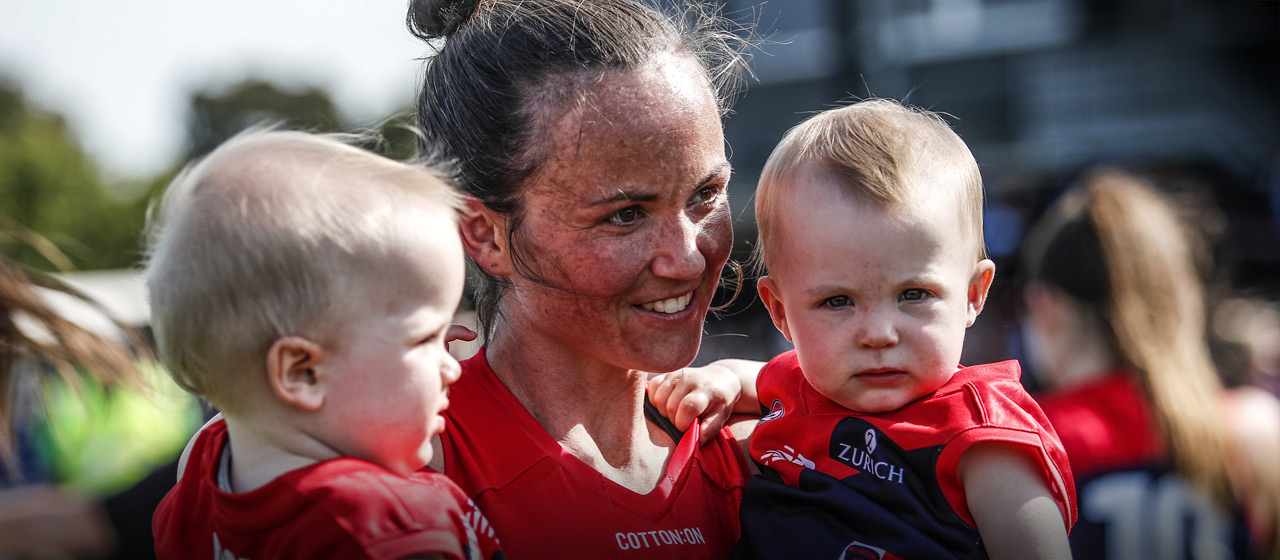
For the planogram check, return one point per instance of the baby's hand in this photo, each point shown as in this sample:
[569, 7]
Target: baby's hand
[706, 393]
[458, 332]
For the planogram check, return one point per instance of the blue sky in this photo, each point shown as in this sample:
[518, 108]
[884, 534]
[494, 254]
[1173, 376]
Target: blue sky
[122, 71]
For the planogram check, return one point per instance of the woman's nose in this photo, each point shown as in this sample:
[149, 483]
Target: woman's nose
[677, 255]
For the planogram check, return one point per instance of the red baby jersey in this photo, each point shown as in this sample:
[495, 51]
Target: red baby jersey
[840, 484]
[546, 503]
[1133, 504]
[342, 508]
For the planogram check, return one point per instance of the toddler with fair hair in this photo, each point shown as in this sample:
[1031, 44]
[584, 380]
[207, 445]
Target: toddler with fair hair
[875, 442]
[305, 288]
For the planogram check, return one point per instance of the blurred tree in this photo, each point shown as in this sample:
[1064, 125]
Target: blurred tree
[54, 212]
[214, 117]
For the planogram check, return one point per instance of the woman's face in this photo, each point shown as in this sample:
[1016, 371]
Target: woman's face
[627, 225]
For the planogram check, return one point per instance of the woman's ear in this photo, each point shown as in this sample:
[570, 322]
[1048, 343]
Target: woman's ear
[768, 289]
[292, 372]
[979, 285]
[484, 236]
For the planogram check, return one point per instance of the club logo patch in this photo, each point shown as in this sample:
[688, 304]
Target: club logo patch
[775, 411]
[859, 551]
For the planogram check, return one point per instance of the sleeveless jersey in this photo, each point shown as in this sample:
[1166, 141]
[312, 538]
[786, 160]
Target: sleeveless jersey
[341, 508]
[1133, 504]
[840, 484]
[546, 503]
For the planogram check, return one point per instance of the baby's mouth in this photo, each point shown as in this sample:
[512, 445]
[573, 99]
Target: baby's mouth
[670, 305]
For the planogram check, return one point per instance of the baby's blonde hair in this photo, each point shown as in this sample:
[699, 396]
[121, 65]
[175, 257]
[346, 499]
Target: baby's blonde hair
[881, 151]
[266, 237]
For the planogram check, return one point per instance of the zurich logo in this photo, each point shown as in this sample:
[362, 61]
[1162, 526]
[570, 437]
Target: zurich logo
[871, 441]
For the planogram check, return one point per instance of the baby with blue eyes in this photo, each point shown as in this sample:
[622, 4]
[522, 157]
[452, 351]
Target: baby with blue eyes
[876, 443]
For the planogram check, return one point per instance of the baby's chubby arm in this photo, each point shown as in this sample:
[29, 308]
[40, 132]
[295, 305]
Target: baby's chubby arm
[1012, 503]
[711, 393]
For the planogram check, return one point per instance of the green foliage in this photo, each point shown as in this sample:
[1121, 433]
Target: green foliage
[54, 211]
[215, 117]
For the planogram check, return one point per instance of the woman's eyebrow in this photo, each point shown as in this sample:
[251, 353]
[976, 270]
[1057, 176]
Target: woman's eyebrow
[625, 195]
[622, 195]
[719, 170]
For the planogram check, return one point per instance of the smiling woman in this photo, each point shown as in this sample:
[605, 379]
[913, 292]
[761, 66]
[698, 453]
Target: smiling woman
[588, 137]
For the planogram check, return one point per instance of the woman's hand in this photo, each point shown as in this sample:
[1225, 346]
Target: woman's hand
[709, 394]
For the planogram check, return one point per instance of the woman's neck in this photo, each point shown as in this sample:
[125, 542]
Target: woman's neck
[593, 409]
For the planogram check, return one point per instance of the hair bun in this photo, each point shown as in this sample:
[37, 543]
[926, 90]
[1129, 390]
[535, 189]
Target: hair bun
[429, 19]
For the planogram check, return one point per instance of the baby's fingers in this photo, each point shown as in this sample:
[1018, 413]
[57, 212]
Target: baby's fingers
[689, 407]
[459, 332]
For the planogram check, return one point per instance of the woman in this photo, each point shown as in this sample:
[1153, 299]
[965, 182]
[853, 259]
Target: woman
[588, 136]
[1116, 311]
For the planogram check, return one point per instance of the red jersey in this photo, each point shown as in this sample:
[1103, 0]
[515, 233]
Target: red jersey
[1133, 503]
[546, 503]
[341, 508]
[841, 484]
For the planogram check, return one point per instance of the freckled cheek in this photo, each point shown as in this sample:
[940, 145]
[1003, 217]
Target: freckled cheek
[604, 271]
[715, 239]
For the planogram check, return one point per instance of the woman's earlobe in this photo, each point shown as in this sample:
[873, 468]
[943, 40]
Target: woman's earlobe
[484, 236]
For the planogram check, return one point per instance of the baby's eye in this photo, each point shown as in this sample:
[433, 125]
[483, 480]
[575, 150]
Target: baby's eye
[914, 294]
[837, 301]
[624, 217]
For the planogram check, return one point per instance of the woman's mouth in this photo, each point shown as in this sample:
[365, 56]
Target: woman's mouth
[670, 305]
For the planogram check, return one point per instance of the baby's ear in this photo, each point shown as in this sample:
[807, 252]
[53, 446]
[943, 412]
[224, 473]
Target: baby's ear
[979, 285]
[292, 365]
[768, 289]
[484, 236]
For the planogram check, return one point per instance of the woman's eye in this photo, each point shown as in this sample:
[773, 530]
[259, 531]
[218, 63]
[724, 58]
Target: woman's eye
[706, 194]
[837, 301]
[624, 217]
[914, 294]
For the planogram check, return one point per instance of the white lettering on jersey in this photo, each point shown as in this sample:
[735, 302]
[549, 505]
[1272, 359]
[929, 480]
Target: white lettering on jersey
[863, 461]
[1161, 517]
[654, 539]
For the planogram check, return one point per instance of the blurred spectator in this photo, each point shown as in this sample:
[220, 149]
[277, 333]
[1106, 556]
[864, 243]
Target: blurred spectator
[87, 425]
[1167, 462]
[1247, 330]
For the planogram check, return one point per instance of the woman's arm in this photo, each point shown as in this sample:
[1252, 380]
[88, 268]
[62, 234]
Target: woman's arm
[1011, 502]
[1253, 424]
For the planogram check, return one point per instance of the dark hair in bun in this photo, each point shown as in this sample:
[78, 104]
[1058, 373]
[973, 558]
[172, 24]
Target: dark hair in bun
[430, 19]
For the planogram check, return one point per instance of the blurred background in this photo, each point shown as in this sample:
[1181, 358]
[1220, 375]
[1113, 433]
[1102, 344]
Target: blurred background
[102, 102]
[1184, 92]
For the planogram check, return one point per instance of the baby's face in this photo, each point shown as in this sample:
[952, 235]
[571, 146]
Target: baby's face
[392, 366]
[876, 300]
